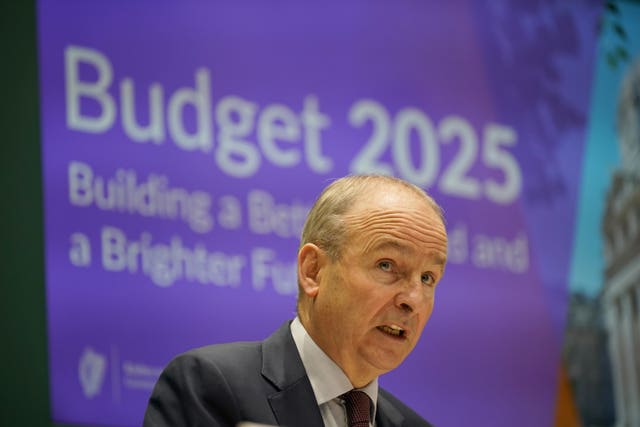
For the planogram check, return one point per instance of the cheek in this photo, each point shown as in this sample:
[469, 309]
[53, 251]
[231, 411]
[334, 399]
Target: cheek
[426, 310]
[424, 320]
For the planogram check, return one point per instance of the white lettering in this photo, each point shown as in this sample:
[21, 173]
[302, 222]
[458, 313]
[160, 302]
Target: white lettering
[165, 264]
[236, 156]
[229, 213]
[80, 178]
[200, 99]
[500, 253]
[152, 197]
[313, 123]
[266, 216]
[154, 131]
[96, 91]
[265, 268]
[113, 249]
[278, 122]
[80, 251]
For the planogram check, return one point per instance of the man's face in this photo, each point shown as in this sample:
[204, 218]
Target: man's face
[374, 301]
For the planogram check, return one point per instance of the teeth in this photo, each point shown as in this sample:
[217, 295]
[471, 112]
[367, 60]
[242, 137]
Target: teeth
[392, 330]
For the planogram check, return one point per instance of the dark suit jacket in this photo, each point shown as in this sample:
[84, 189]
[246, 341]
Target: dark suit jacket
[264, 382]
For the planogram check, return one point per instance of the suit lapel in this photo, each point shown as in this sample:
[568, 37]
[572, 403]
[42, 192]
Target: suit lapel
[294, 404]
[386, 414]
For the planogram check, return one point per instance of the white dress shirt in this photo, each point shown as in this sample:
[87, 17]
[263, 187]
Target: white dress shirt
[328, 381]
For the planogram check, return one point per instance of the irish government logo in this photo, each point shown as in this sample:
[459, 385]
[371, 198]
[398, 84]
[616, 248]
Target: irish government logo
[91, 370]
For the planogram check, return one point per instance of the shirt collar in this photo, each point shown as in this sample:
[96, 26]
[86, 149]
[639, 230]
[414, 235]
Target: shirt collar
[327, 380]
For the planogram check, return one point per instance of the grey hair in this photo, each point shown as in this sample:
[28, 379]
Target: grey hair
[325, 225]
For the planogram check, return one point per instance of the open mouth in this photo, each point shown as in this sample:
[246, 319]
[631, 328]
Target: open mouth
[393, 330]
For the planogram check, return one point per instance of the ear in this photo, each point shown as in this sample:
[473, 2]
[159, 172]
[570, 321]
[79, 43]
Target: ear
[310, 261]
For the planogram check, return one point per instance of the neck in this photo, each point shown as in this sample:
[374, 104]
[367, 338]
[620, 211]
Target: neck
[358, 376]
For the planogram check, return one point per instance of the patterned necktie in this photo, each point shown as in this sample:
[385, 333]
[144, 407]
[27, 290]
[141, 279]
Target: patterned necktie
[357, 403]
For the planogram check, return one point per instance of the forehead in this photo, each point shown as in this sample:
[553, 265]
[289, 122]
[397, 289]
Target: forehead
[434, 252]
[397, 220]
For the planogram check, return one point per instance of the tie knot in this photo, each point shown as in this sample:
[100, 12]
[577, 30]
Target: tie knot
[357, 404]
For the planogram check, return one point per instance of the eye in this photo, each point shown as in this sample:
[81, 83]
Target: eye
[428, 279]
[385, 265]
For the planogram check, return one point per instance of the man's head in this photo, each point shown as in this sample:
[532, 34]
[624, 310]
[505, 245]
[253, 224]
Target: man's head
[373, 249]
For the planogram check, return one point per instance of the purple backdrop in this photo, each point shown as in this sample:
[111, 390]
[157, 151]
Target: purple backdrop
[183, 143]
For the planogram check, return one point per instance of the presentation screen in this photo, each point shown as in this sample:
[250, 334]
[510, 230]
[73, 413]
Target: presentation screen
[184, 142]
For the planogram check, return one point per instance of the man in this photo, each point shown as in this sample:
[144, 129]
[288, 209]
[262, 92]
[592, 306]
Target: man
[373, 249]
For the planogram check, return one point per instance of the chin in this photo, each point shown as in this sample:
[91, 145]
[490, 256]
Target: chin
[386, 364]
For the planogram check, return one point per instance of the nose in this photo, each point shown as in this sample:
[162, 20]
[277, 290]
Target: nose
[406, 307]
[411, 296]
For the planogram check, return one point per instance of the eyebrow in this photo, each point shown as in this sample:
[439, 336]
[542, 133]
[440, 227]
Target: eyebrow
[440, 259]
[396, 244]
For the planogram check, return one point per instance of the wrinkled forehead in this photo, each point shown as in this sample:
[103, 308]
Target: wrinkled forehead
[416, 223]
[389, 200]
[400, 222]
[432, 251]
